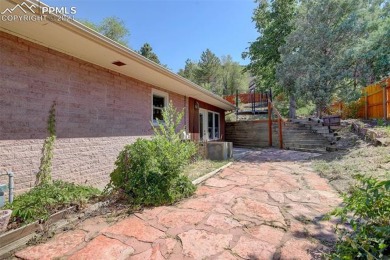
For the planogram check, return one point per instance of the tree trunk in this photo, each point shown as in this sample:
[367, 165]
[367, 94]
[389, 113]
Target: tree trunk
[293, 107]
[319, 111]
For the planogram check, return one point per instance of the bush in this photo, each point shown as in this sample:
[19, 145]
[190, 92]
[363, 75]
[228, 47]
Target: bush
[46, 199]
[367, 212]
[150, 171]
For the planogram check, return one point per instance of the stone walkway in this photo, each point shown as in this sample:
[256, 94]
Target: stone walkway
[257, 208]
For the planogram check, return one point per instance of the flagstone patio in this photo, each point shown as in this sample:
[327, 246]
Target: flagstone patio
[268, 205]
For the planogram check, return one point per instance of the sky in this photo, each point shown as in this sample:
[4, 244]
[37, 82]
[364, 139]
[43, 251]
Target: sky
[177, 30]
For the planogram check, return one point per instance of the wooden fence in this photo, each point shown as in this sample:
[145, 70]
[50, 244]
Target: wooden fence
[374, 103]
[251, 133]
[247, 98]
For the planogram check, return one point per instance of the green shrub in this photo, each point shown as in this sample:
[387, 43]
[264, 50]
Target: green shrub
[367, 212]
[150, 171]
[46, 199]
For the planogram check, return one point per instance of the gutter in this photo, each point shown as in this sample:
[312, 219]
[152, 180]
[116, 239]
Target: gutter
[83, 30]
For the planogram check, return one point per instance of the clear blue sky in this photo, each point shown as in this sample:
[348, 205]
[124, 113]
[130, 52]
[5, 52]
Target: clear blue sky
[177, 29]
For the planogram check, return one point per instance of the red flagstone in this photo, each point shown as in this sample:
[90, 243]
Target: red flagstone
[181, 218]
[222, 222]
[255, 209]
[199, 244]
[297, 249]
[103, 248]
[151, 254]
[267, 234]
[219, 183]
[57, 247]
[249, 248]
[135, 227]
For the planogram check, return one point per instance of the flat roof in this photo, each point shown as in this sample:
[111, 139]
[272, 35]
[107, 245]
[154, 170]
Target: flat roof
[75, 39]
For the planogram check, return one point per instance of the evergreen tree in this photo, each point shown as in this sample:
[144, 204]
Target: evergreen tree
[111, 27]
[209, 71]
[314, 63]
[147, 51]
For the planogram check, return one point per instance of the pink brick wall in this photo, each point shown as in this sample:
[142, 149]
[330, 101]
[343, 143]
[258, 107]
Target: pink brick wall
[98, 111]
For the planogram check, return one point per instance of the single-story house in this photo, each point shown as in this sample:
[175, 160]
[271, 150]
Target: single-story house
[106, 96]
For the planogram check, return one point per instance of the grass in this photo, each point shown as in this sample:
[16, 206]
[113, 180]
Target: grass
[361, 158]
[385, 130]
[202, 167]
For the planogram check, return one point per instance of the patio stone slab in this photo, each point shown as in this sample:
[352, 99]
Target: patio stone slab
[222, 222]
[137, 228]
[104, 248]
[249, 248]
[199, 244]
[181, 218]
[57, 247]
[260, 210]
[267, 234]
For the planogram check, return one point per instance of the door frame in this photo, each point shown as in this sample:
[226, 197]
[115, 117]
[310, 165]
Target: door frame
[203, 137]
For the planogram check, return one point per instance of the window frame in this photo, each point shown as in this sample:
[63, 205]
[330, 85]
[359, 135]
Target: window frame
[162, 94]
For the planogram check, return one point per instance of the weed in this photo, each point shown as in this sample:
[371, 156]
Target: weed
[45, 199]
[367, 213]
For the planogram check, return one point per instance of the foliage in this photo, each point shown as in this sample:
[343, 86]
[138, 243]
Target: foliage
[351, 110]
[111, 27]
[147, 51]
[189, 71]
[233, 77]
[45, 199]
[208, 74]
[222, 76]
[273, 23]
[367, 212]
[45, 168]
[334, 49]
[150, 171]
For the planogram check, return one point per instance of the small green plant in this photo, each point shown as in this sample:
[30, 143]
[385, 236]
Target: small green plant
[150, 171]
[380, 122]
[44, 174]
[367, 215]
[47, 198]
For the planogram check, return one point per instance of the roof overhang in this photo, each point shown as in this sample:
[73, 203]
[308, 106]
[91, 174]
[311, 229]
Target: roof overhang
[75, 39]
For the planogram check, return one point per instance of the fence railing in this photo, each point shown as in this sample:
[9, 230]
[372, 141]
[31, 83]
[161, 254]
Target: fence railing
[246, 98]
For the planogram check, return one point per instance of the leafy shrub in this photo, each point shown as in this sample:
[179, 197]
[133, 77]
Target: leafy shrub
[367, 212]
[150, 171]
[353, 108]
[45, 199]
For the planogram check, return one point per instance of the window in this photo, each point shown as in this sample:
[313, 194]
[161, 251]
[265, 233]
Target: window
[159, 101]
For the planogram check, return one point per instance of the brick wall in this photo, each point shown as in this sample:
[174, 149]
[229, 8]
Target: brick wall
[98, 111]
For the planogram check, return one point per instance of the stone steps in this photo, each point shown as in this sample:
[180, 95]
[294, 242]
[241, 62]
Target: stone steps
[307, 135]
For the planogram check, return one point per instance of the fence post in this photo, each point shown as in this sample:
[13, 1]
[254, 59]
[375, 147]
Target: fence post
[365, 105]
[384, 104]
[280, 134]
[269, 124]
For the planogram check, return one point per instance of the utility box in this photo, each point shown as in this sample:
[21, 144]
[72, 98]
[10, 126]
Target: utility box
[219, 151]
[3, 189]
